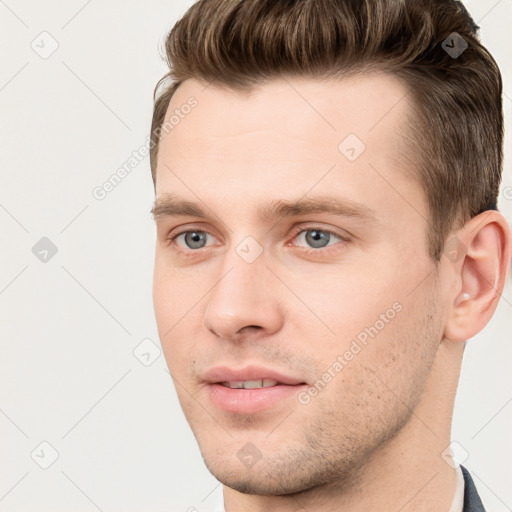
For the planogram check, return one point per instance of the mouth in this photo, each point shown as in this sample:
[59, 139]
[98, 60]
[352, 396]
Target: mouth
[251, 384]
[250, 390]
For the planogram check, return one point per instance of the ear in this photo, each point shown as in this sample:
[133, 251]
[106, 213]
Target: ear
[480, 253]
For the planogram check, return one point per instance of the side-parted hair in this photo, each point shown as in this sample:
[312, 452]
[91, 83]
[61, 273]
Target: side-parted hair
[455, 132]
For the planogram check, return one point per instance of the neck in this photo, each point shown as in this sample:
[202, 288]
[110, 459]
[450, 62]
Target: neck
[409, 473]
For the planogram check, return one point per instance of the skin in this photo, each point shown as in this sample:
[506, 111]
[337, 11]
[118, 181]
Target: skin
[373, 437]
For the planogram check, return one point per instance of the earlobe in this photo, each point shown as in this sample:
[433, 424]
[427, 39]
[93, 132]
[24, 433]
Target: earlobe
[482, 273]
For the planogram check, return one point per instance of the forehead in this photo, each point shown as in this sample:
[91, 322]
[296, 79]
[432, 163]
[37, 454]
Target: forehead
[359, 102]
[284, 135]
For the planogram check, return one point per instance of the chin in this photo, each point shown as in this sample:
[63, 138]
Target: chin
[278, 476]
[257, 483]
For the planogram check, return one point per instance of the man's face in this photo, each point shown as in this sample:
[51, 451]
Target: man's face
[342, 308]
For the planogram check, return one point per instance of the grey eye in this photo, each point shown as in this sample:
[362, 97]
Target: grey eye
[317, 238]
[195, 239]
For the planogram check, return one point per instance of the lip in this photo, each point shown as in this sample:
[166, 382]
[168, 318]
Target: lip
[249, 401]
[226, 374]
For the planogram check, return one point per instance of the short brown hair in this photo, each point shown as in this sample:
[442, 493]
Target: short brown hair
[457, 135]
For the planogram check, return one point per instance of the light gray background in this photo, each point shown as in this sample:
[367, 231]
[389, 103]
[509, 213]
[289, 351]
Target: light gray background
[68, 375]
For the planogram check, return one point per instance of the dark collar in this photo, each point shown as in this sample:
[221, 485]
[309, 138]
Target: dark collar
[472, 502]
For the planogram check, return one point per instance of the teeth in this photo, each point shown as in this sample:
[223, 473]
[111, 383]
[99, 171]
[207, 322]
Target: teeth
[234, 385]
[250, 384]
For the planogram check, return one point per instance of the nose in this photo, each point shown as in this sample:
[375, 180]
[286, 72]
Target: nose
[244, 302]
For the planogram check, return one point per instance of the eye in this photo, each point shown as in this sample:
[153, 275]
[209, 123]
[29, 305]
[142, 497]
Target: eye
[192, 239]
[310, 239]
[318, 238]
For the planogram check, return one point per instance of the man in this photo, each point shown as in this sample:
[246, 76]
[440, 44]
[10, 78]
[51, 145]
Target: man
[326, 175]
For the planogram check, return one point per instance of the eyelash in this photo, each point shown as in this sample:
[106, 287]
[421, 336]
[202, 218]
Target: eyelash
[295, 233]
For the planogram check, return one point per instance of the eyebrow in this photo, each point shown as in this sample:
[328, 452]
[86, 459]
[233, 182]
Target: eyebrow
[171, 206]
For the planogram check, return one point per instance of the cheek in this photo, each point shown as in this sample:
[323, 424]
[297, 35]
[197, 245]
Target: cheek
[172, 302]
[171, 293]
[379, 380]
[342, 305]
[368, 321]
[163, 302]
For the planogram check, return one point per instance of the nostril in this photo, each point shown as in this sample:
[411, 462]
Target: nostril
[250, 328]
